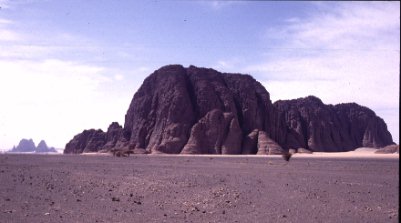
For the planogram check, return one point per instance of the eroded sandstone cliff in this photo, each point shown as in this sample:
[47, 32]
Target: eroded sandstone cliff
[202, 111]
[327, 128]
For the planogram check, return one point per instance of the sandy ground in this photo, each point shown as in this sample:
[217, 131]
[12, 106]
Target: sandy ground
[157, 188]
[358, 153]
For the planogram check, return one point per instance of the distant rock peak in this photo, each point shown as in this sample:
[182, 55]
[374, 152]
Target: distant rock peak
[27, 145]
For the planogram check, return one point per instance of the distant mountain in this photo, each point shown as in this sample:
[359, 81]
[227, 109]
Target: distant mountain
[24, 146]
[43, 148]
[28, 146]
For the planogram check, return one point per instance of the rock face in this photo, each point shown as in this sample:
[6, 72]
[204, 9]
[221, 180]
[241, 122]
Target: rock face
[26, 145]
[196, 110]
[216, 133]
[267, 146]
[95, 140]
[327, 128]
[202, 111]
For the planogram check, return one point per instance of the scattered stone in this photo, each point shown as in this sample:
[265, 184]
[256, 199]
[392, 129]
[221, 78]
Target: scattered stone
[287, 156]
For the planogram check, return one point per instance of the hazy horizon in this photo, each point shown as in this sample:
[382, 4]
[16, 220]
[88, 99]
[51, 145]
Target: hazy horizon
[72, 65]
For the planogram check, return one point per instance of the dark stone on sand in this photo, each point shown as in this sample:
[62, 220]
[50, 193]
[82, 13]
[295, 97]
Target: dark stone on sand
[202, 111]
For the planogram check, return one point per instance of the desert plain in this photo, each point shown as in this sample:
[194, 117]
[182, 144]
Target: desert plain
[339, 187]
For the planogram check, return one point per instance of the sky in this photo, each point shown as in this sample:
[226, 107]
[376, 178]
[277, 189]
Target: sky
[70, 65]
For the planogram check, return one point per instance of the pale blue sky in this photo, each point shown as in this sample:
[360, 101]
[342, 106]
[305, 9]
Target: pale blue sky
[69, 65]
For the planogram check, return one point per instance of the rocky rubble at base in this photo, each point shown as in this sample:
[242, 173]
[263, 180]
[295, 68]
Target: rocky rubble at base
[202, 111]
[388, 149]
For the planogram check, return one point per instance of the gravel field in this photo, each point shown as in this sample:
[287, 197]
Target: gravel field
[161, 188]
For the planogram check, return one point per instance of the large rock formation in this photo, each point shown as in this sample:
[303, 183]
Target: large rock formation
[327, 128]
[198, 110]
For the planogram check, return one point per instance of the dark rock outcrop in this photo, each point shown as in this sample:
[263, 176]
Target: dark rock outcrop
[327, 128]
[88, 141]
[96, 140]
[196, 110]
[199, 110]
